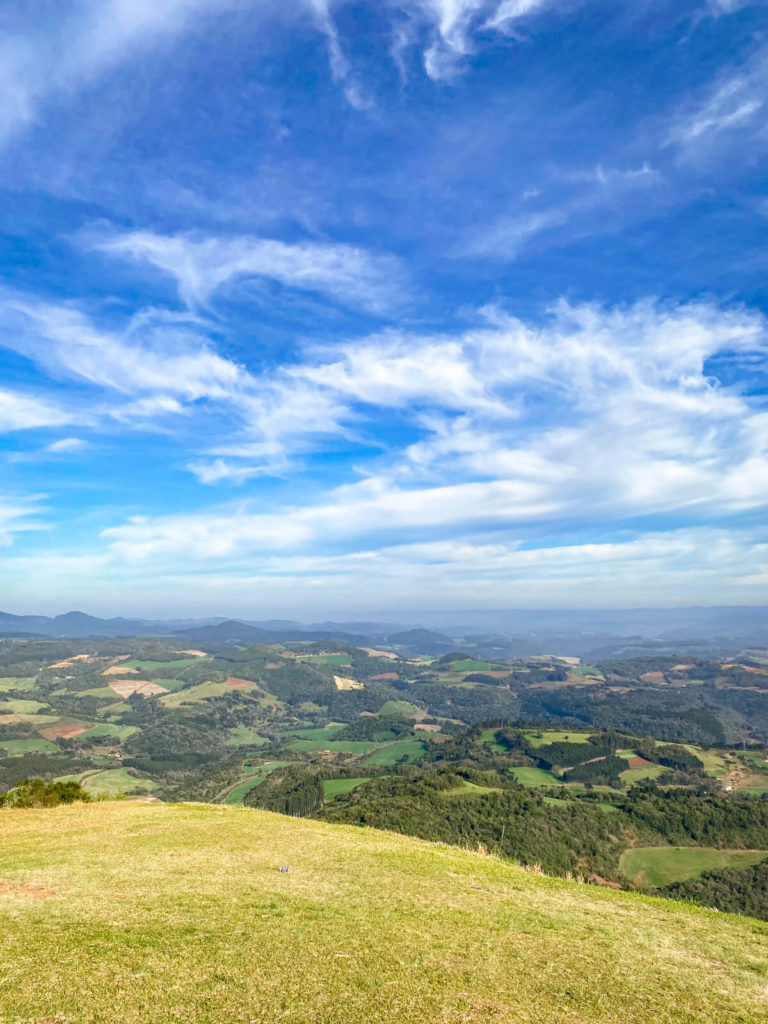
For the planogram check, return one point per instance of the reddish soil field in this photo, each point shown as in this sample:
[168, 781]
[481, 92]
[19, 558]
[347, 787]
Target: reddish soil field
[385, 675]
[240, 684]
[637, 762]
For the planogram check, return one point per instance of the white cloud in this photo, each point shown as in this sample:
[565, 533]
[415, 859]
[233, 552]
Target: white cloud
[17, 516]
[67, 446]
[155, 352]
[27, 412]
[202, 266]
[732, 109]
[596, 413]
[90, 37]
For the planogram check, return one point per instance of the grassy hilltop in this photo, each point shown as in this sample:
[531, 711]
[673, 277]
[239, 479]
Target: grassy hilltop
[144, 913]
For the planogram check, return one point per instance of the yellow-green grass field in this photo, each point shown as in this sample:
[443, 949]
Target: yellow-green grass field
[393, 752]
[662, 865]
[338, 787]
[16, 683]
[157, 914]
[254, 777]
[468, 788]
[326, 659]
[535, 777]
[556, 736]
[173, 666]
[242, 735]
[646, 771]
[337, 746]
[713, 760]
[20, 707]
[324, 733]
[112, 781]
[11, 748]
[196, 694]
[108, 731]
[402, 707]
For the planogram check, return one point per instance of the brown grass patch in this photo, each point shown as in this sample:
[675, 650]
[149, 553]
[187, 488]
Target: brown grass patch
[120, 670]
[424, 727]
[193, 654]
[144, 689]
[373, 653]
[637, 762]
[386, 675]
[346, 683]
[69, 661]
[240, 684]
[653, 677]
[63, 730]
[36, 892]
[10, 719]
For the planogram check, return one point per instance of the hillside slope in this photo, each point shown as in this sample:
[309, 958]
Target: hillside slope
[151, 913]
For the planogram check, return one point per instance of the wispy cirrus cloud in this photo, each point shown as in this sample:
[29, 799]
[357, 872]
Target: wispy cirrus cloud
[19, 411]
[203, 266]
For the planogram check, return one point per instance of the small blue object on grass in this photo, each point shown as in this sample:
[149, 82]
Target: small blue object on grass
[285, 869]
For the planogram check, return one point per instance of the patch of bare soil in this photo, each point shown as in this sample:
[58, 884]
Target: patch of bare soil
[240, 684]
[637, 762]
[120, 670]
[654, 677]
[64, 731]
[36, 892]
[379, 654]
[386, 675]
[69, 661]
[424, 727]
[129, 686]
[193, 654]
[346, 683]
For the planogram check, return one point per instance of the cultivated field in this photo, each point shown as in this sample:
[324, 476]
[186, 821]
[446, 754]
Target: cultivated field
[663, 865]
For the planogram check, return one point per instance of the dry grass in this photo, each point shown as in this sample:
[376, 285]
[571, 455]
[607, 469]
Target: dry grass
[178, 914]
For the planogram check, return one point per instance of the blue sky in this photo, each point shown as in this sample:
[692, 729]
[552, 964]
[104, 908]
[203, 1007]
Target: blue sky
[329, 307]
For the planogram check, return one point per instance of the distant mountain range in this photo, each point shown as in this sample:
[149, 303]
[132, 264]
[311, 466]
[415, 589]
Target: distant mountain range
[494, 634]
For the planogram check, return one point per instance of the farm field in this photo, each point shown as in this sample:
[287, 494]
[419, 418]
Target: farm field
[535, 777]
[255, 777]
[12, 748]
[148, 907]
[153, 666]
[338, 787]
[394, 752]
[648, 771]
[660, 866]
[195, 694]
[119, 732]
[14, 683]
[544, 736]
[243, 735]
[336, 746]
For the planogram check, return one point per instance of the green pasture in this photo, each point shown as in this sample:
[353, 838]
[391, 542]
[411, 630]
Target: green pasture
[242, 735]
[107, 730]
[17, 683]
[393, 752]
[528, 776]
[657, 866]
[338, 787]
[21, 707]
[177, 665]
[337, 746]
[37, 745]
[541, 737]
[646, 771]
[402, 707]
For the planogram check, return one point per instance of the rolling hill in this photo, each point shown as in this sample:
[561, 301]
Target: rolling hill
[180, 913]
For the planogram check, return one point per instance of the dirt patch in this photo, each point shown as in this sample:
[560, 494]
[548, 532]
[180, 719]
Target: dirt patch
[373, 653]
[654, 677]
[240, 684]
[273, 665]
[193, 654]
[63, 731]
[637, 762]
[345, 683]
[10, 719]
[423, 727]
[69, 661]
[599, 880]
[386, 675]
[120, 670]
[36, 892]
[682, 668]
[144, 689]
